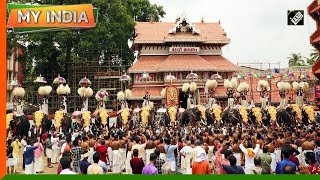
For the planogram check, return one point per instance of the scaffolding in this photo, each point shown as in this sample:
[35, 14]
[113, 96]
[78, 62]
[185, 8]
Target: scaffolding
[104, 74]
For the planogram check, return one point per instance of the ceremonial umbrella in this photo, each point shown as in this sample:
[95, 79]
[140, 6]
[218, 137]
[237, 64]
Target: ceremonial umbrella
[161, 110]
[14, 83]
[253, 75]
[192, 76]
[40, 79]
[59, 80]
[269, 76]
[303, 76]
[125, 77]
[103, 95]
[216, 76]
[170, 78]
[145, 76]
[238, 76]
[85, 82]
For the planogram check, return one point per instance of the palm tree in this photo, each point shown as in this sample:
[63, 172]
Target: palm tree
[296, 60]
[313, 57]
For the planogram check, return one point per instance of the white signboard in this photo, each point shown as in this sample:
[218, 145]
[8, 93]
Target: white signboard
[184, 50]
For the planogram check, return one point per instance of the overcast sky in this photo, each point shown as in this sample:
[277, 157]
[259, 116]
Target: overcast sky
[257, 28]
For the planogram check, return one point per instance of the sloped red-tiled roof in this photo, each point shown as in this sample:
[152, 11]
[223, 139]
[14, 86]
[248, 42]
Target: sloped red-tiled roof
[184, 62]
[158, 32]
[139, 92]
[147, 64]
[221, 63]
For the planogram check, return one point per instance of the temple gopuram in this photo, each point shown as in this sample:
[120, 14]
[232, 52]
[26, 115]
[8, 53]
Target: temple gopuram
[179, 48]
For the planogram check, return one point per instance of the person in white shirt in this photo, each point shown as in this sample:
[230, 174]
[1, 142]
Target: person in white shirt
[65, 165]
[186, 158]
[55, 149]
[250, 154]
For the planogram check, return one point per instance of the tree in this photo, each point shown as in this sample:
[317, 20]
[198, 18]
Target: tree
[313, 57]
[143, 10]
[296, 60]
[47, 53]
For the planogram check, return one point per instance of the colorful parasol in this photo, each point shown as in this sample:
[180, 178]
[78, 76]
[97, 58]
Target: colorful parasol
[292, 74]
[253, 75]
[216, 76]
[303, 76]
[59, 80]
[144, 76]
[103, 95]
[170, 78]
[269, 76]
[84, 82]
[125, 77]
[40, 79]
[14, 82]
[192, 76]
[238, 76]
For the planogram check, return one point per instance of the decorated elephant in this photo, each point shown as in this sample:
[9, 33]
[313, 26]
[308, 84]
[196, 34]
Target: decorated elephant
[62, 120]
[255, 115]
[192, 115]
[269, 116]
[145, 114]
[172, 111]
[286, 116]
[235, 115]
[42, 121]
[213, 114]
[20, 126]
[308, 114]
[124, 117]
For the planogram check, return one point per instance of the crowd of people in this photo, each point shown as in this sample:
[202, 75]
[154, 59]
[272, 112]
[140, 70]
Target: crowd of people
[227, 149]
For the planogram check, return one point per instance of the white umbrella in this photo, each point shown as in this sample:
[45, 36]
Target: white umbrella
[162, 110]
[136, 110]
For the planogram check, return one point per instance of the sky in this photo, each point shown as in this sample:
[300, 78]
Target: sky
[257, 28]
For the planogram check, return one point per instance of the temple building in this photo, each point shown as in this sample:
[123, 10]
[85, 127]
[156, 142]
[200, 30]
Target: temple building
[179, 48]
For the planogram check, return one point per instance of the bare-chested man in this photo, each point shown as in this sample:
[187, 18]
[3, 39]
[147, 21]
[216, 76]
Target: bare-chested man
[123, 142]
[237, 151]
[271, 149]
[116, 155]
[161, 149]
[85, 144]
[150, 147]
[210, 142]
[307, 146]
[129, 155]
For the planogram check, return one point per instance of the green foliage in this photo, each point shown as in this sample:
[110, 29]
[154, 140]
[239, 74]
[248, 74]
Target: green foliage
[296, 60]
[47, 52]
[313, 57]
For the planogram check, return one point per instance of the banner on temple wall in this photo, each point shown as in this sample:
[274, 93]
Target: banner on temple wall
[184, 50]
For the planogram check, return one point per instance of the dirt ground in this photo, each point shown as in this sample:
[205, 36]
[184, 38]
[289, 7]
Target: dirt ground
[47, 170]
